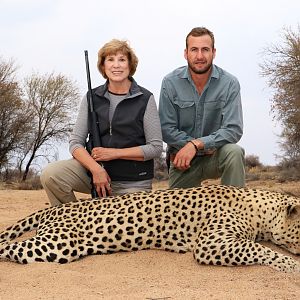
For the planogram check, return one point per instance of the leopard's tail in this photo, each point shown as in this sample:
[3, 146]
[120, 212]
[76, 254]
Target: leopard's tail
[24, 225]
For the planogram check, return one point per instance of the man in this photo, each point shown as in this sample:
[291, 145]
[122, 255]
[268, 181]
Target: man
[201, 118]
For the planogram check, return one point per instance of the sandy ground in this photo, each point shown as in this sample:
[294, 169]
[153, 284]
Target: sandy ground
[148, 274]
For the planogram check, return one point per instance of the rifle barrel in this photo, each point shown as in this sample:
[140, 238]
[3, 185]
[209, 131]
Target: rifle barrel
[88, 76]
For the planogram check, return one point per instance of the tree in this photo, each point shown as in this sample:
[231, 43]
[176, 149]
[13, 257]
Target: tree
[252, 161]
[14, 116]
[282, 68]
[52, 99]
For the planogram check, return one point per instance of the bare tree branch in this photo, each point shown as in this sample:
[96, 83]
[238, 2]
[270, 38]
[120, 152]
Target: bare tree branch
[282, 68]
[14, 115]
[52, 99]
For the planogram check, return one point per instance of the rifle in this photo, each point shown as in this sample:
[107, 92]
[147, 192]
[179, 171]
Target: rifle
[94, 134]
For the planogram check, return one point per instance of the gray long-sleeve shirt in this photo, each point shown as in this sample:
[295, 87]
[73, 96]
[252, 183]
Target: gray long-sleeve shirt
[215, 116]
[153, 147]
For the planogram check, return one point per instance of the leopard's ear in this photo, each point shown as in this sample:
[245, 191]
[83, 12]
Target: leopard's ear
[293, 212]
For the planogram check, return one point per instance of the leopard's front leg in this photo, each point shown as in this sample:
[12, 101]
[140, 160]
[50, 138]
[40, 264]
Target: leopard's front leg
[233, 243]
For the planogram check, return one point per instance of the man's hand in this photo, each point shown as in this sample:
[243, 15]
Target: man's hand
[184, 156]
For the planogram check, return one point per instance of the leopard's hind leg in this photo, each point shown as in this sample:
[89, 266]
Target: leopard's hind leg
[43, 247]
[24, 225]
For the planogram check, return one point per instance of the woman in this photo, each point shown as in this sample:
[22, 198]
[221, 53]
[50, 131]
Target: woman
[129, 129]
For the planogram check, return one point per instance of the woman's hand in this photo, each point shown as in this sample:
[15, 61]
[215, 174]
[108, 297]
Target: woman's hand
[104, 154]
[101, 181]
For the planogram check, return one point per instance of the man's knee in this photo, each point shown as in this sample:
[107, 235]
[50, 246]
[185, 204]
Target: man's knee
[232, 165]
[233, 152]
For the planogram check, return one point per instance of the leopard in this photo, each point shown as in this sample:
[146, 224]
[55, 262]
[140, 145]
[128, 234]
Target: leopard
[221, 225]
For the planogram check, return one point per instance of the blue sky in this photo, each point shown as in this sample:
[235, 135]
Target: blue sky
[51, 36]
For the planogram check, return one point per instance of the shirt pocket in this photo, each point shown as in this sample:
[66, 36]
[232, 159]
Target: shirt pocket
[214, 105]
[185, 114]
[213, 114]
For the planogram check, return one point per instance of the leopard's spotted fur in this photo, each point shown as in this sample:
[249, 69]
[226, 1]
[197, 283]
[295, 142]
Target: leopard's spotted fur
[221, 225]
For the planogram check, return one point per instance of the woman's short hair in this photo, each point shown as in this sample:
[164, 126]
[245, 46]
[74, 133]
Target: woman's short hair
[112, 48]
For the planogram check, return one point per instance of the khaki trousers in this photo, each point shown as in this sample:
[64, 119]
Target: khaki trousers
[61, 179]
[228, 162]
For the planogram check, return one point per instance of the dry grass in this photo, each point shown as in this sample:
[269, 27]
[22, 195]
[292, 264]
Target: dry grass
[262, 177]
[267, 181]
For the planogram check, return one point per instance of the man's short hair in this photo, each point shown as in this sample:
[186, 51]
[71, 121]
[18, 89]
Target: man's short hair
[200, 31]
